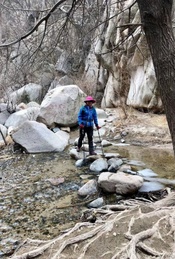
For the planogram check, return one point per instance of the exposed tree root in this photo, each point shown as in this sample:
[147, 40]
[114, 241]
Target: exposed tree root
[139, 231]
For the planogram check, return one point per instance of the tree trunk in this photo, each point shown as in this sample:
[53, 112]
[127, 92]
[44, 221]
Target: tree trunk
[157, 24]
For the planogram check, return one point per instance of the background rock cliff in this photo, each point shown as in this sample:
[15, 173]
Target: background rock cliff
[102, 48]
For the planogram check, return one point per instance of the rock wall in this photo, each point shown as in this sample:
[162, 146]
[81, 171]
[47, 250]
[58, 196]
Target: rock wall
[123, 68]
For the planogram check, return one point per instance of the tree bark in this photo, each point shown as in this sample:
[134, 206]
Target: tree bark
[156, 19]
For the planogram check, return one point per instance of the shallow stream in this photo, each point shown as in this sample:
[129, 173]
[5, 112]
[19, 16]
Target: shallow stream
[161, 161]
[38, 193]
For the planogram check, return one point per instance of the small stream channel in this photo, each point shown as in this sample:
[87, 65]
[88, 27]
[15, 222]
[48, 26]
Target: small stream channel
[162, 162]
[38, 193]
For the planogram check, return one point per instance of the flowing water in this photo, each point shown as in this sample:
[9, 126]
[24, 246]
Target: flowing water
[38, 193]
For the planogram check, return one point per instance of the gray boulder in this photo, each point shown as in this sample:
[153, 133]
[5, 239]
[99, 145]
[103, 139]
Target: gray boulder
[4, 114]
[26, 94]
[88, 188]
[99, 165]
[120, 183]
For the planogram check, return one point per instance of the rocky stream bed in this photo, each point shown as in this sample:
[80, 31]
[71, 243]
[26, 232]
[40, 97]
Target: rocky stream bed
[38, 192]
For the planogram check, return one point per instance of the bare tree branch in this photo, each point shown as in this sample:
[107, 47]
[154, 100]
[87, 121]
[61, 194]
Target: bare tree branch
[45, 18]
[23, 10]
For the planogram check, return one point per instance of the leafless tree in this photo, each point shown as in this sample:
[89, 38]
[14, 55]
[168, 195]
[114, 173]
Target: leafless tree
[45, 26]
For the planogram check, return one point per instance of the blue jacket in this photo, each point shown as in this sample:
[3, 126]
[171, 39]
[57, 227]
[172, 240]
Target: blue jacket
[87, 116]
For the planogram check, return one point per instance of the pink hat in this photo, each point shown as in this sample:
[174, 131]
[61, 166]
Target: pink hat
[89, 99]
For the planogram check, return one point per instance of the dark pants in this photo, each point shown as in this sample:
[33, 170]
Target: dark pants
[89, 132]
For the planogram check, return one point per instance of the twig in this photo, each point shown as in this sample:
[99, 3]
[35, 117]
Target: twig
[3, 137]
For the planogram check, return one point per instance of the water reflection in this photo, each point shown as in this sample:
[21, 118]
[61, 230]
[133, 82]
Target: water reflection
[160, 161]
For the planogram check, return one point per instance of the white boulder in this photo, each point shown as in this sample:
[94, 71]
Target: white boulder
[18, 118]
[35, 137]
[61, 106]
